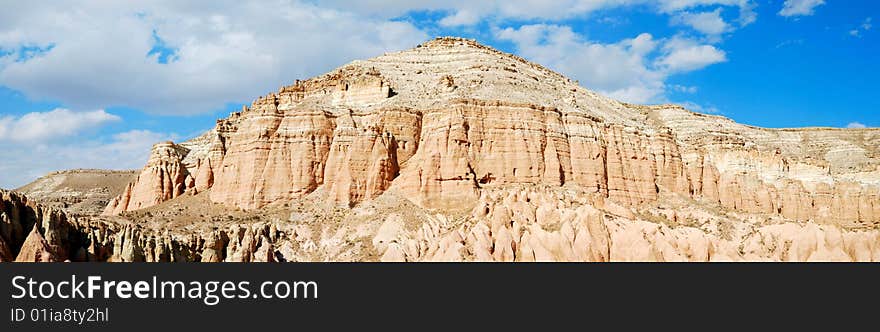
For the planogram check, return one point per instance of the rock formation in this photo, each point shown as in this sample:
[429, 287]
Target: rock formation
[36, 249]
[518, 223]
[30, 232]
[165, 177]
[456, 151]
[84, 192]
[543, 225]
[451, 116]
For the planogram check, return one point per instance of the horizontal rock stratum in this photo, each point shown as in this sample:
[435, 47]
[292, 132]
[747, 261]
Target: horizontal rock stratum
[497, 158]
[445, 119]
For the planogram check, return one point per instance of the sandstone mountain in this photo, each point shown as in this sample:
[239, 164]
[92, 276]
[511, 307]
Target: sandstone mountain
[456, 151]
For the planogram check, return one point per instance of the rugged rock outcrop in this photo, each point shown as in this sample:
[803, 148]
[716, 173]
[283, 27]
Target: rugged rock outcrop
[36, 249]
[447, 119]
[165, 177]
[517, 223]
[542, 225]
[520, 222]
[31, 232]
[456, 151]
[56, 237]
[5, 252]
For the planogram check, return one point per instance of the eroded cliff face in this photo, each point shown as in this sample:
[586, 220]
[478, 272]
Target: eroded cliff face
[451, 117]
[518, 223]
[165, 177]
[453, 124]
[521, 222]
[548, 225]
[30, 232]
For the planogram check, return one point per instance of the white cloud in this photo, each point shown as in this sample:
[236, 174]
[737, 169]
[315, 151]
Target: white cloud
[694, 107]
[856, 125]
[710, 23]
[229, 51]
[55, 124]
[633, 70]
[461, 17]
[685, 55]
[800, 7]
[23, 163]
[673, 5]
[693, 58]
[36, 143]
[224, 51]
[619, 69]
[465, 12]
[747, 14]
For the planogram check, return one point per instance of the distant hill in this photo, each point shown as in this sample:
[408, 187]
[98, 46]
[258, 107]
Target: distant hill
[80, 191]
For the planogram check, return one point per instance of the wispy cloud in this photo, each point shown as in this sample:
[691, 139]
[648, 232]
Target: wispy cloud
[800, 7]
[705, 109]
[684, 89]
[866, 25]
[55, 124]
[790, 42]
[856, 125]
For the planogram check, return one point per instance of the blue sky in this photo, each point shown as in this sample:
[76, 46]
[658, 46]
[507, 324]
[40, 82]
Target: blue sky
[95, 84]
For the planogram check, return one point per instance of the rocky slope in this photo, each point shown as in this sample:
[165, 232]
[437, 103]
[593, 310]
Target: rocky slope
[79, 191]
[456, 151]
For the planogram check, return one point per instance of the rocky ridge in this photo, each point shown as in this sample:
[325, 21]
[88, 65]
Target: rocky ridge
[450, 117]
[456, 151]
[75, 191]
